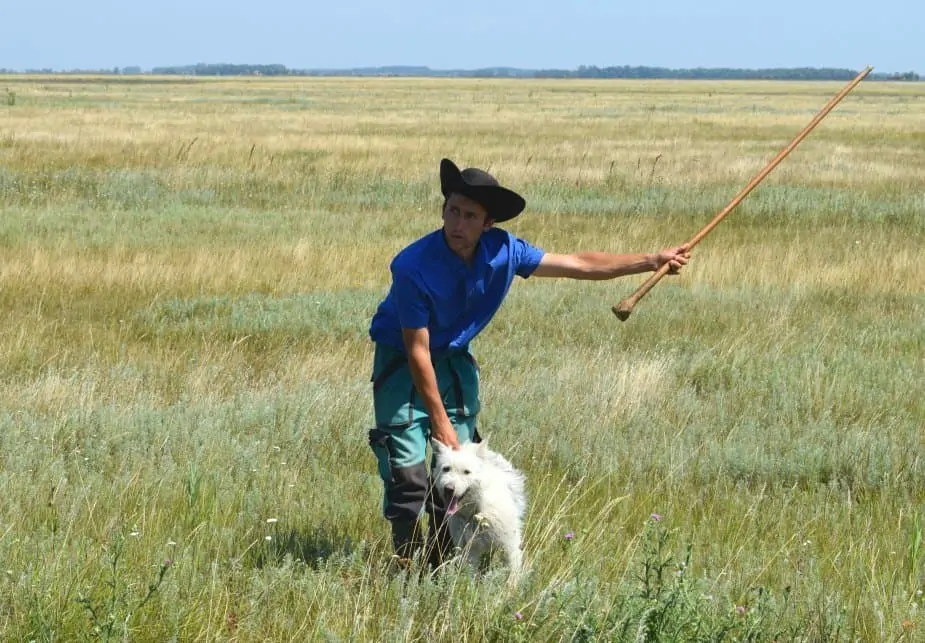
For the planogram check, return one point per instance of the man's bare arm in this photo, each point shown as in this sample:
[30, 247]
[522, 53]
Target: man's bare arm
[605, 265]
[417, 346]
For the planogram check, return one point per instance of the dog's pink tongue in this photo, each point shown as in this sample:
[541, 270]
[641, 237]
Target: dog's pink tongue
[452, 507]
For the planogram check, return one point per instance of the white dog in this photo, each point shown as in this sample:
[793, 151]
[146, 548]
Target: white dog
[485, 502]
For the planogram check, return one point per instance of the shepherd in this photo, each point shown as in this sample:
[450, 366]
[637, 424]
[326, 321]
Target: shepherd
[445, 289]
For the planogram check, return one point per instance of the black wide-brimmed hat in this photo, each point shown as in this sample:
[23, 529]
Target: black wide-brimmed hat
[501, 203]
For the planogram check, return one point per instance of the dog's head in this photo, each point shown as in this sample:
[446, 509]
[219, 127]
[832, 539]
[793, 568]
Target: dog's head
[457, 474]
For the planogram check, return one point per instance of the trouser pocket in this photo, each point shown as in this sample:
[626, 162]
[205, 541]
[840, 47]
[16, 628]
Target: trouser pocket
[393, 389]
[458, 374]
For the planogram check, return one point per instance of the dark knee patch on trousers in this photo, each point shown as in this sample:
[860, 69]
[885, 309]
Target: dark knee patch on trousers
[406, 493]
[435, 504]
[439, 543]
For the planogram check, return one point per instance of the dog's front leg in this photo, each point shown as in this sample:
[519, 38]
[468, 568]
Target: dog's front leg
[515, 562]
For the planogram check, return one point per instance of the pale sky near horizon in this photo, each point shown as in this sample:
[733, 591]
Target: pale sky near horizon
[100, 34]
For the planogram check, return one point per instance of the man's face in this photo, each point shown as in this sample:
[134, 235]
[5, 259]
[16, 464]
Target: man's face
[464, 221]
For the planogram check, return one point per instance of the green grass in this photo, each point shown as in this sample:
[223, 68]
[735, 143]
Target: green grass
[184, 363]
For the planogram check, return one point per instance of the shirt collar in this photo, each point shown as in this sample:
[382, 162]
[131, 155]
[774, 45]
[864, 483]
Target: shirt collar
[479, 257]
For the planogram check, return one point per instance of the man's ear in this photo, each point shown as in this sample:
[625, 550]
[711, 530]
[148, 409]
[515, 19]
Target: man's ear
[488, 223]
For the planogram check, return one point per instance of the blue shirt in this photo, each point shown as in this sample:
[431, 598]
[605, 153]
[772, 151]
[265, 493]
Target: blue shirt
[433, 288]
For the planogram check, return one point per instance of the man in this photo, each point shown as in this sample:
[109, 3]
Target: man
[445, 289]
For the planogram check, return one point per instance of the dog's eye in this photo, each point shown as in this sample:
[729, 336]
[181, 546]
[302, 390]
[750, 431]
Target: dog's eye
[446, 468]
[466, 472]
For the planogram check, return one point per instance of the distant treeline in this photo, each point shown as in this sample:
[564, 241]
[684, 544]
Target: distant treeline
[625, 71]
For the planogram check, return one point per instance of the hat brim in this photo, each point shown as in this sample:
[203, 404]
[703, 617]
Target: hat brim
[501, 203]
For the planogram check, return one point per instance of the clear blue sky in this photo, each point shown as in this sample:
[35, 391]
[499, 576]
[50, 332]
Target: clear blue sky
[67, 34]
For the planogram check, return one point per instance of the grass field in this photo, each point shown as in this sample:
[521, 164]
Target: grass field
[187, 273]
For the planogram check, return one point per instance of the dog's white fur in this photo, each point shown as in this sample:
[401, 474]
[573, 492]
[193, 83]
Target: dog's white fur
[485, 499]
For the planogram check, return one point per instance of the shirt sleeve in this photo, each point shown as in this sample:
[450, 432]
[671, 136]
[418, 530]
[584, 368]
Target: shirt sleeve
[525, 257]
[410, 300]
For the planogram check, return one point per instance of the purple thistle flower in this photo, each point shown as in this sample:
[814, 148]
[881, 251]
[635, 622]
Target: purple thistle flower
[569, 535]
[656, 517]
[518, 616]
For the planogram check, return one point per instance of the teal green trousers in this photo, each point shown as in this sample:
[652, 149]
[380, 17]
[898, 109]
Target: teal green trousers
[402, 433]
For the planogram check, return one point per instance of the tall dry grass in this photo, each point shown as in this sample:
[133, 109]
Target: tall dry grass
[188, 270]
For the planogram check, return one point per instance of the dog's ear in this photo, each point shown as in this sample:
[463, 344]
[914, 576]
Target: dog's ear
[438, 447]
[482, 447]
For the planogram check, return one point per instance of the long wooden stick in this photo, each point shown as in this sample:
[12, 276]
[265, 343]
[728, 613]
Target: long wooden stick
[625, 307]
